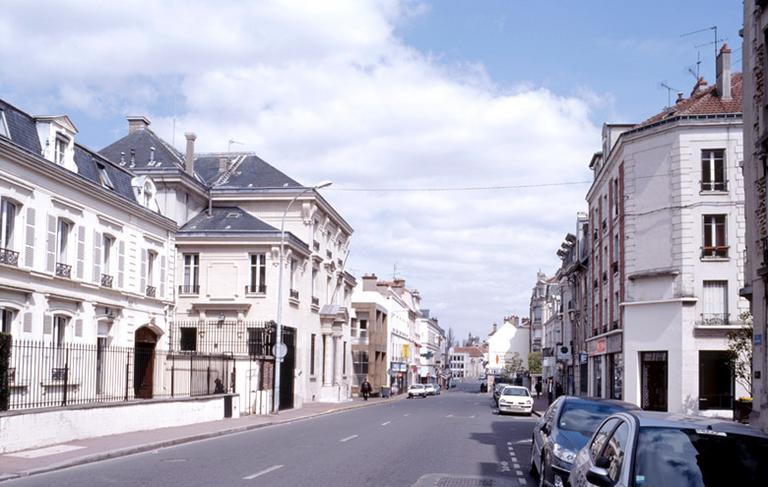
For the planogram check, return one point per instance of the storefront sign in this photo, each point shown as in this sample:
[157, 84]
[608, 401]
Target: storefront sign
[406, 351]
[398, 367]
[583, 357]
[596, 347]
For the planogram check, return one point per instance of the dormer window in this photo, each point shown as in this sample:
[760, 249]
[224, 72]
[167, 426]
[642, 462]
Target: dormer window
[106, 182]
[3, 125]
[148, 194]
[60, 148]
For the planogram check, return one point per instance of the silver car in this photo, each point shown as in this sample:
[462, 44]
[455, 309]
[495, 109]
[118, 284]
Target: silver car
[646, 449]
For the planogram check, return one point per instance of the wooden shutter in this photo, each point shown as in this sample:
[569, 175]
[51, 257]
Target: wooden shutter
[121, 265]
[143, 279]
[162, 277]
[47, 324]
[29, 251]
[96, 257]
[27, 322]
[50, 264]
[78, 328]
[80, 251]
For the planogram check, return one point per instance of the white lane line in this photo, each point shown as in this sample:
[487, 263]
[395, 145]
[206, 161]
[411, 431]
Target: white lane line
[386, 423]
[509, 443]
[407, 414]
[344, 440]
[515, 464]
[519, 473]
[265, 471]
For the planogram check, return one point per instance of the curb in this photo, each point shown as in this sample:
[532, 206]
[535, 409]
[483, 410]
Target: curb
[145, 447]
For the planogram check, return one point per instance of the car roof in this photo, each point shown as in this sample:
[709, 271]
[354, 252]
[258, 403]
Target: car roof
[515, 387]
[600, 400]
[653, 419]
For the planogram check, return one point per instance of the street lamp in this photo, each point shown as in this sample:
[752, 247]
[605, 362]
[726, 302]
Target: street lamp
[279, 351]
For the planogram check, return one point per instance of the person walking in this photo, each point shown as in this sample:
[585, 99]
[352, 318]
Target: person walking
[538, 388]
[550, 390]
[365, 388]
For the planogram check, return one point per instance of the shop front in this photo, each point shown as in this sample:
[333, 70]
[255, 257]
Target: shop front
[606, 366]
[398, 377]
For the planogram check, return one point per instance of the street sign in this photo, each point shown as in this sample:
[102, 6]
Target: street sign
[280, 350]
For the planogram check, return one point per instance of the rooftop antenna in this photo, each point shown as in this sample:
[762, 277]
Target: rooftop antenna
[230, 143]
[715, 42]
[696, 74]
[394, 271]
[669, 89]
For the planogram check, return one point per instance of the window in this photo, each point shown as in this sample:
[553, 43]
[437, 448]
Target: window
[715, 243]
[59, 330]
[191, 273]
[716, 380]
[63, 240]
[60, 148]
[151, 257]
[360, 364]
[293, 274]
[8, 216]
[148, 194]
[714, 303]
[615, 448]
[107, 256]
[314, 281]
[6, 320]
[312, 354]
[363, 328]
[602, 434]
[616, 197]
[258, 273]
[344, 359]
[3, 125]
[713, 170]
[104, 177]
[188, 339]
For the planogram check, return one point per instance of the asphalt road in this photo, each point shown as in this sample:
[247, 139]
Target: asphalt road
[456, 439]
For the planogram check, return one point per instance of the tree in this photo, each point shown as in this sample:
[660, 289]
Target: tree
[740, 348]
[534, 363]
[513, 366]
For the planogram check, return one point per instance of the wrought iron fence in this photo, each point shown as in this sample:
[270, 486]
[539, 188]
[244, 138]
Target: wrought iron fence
[45, 375]
[232, 337]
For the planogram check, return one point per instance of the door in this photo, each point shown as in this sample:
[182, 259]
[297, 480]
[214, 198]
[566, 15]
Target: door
[144, 363]
[653, 385]
[287, 367]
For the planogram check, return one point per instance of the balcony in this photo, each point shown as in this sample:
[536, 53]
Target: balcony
[63, 270]
[189, 289]
[315, 301]
[294, 294]
[359, 336]
[714, 319]
[340, 262]
[316, 246]
[715, 252]
[9, 257]
[151, 291]
[714, 186]
[329, 254]
[106, 280]
[256, 289]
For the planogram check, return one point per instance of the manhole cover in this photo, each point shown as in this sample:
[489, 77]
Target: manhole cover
[464, 482]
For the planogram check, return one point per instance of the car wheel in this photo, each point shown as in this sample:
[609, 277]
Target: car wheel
[410, 396]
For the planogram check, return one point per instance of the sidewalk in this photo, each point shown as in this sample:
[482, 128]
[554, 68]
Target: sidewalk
[540, 404]
[29, 462]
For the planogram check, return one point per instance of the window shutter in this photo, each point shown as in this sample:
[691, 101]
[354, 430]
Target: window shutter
[50, 265]
[162, 276]
[78, 328]
[96, 257]
[27, 322]
[47, 324]
[143, 281]
[120, 264]
[29, 254]
[80, 251]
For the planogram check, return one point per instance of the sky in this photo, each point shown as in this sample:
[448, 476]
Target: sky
[409, 106]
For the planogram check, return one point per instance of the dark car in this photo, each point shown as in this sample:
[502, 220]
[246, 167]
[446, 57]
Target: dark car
[563, 430]
[648, 449]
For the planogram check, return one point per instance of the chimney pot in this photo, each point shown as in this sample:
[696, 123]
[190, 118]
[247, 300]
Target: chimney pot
[723, 73]
[679, 97]
[189, 156]
[136, 123]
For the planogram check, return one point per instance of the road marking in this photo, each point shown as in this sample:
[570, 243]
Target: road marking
[407, 414]
[344, 440]
[44, 452]
[515, 464]
[509, 443]
[265, 471]
[519, 473]
[449, 416]
[386, 423]
[523, 442]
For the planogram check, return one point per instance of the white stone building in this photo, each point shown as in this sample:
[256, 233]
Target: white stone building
[467, 363]
[667, 221]
[432, 348]
[505, 342]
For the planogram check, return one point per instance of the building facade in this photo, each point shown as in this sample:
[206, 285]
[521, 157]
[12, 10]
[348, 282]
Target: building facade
[507, 342]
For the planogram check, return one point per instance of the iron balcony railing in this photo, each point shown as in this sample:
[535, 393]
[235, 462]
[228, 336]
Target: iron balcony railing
[315, 301]
[189, 289]
[256, 288]
[714, 319]
[294, 294]
[9, 257]
[714, 185]
[106, 280]
[151, 291]
[714, 251]
[63, 270]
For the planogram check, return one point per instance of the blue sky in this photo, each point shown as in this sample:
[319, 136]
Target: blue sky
[382, 94]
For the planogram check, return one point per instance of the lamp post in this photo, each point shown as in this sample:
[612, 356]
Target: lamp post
[279, 345]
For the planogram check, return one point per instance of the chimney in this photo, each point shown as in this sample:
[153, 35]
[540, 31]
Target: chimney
[136, 123]
[723, 72]
[369, 282]
[494, 328]
[189, 157]
[223, 164]
[680, 97]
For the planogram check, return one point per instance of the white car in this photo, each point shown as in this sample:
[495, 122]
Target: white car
[417, 390]
[515, 399]
[432, 389]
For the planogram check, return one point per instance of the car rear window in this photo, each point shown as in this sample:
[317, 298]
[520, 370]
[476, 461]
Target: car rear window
[585, 417]
[515, 391]
[693, 458]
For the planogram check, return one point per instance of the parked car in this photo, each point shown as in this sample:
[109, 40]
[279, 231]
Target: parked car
[644, 449]
[515, 399]
[563, 430]
[417, 390]
[432, 389]
[497, 387]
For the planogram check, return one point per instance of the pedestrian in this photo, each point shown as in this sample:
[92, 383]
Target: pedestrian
[538, 388]
[558, 389]
[365, 388]
[550, 390]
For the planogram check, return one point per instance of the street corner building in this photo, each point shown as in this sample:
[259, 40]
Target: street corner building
[141, 272]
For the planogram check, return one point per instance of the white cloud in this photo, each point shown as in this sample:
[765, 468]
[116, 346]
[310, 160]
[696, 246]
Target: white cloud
[325, 90]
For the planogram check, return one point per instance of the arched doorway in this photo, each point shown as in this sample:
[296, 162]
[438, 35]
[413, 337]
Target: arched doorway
[144, 362]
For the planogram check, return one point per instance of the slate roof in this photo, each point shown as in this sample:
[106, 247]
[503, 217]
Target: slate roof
[166, 158]
[227, 219]
[251, 172]
[22, 129]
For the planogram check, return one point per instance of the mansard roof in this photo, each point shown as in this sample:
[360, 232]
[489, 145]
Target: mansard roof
[247, 171]
[141, 143]
[227, 219]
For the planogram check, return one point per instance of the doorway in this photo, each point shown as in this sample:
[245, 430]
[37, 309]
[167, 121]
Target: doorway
[287, 367]
[653, 386]
[144, 363]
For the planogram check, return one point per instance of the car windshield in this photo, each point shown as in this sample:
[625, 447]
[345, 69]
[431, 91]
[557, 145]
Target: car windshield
[585, 417]
[515, 391]
[697, 458]
[417, 386]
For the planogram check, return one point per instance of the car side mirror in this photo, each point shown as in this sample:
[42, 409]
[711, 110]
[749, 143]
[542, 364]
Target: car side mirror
[599, 476]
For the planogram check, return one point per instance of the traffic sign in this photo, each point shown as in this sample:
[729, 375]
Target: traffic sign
[280, 350]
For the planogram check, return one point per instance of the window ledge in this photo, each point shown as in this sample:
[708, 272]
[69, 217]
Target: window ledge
[315, 308]
[293, 301]
[255, 295]
[715, 259]
[707, 192]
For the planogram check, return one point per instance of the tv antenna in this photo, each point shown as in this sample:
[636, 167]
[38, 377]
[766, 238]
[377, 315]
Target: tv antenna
[697, 73]
[230, 143]
[669, 89]
[713, 28]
